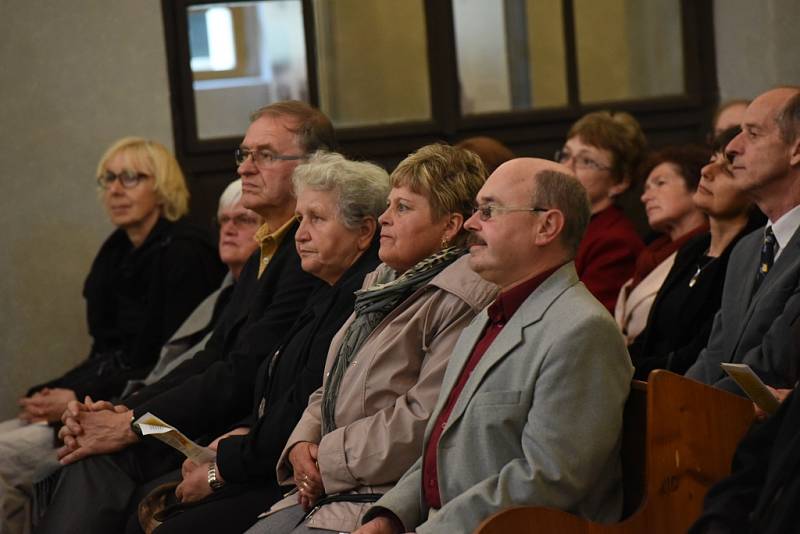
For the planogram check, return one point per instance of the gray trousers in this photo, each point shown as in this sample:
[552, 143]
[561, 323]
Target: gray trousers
[285, 522]
[26, 456]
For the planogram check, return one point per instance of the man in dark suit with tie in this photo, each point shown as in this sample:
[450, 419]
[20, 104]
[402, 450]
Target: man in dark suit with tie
[761, 298]
[207, 394]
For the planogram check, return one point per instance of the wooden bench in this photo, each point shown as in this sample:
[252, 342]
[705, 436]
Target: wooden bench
[678, 440]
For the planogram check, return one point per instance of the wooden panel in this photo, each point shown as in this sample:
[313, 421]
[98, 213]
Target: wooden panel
[692, 433]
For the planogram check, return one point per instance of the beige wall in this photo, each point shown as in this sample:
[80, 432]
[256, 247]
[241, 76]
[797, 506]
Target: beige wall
[75, 76]
[758, 46]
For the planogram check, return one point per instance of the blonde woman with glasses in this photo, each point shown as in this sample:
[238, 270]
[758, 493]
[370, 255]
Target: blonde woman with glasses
[148, 276]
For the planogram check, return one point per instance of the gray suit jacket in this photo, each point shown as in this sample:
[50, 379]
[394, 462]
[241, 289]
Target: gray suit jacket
[538, 422]
[178, 349]
[757, 330]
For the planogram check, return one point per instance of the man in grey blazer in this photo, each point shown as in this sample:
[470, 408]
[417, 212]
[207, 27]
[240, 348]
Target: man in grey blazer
[530, 410]
[761, 298]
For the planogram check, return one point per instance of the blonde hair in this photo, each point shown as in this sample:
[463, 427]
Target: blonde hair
[619, 133]
[449, 177]
[151, 157]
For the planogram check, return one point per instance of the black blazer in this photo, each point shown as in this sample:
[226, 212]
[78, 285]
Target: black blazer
[762, 493]
[136, 299]
[674, 340]
[290, 376]
[214, 389]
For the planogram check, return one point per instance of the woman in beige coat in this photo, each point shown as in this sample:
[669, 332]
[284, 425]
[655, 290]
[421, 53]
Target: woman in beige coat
[364, 427]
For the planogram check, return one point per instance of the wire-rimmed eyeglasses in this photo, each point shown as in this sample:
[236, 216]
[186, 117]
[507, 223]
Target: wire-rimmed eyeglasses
[262, 156]
[488, 211]
[581, 161]
[128, 179]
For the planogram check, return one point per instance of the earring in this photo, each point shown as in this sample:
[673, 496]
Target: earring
[445, 243]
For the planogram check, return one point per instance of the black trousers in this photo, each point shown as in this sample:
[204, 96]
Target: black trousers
[97, 495]
[231, 510]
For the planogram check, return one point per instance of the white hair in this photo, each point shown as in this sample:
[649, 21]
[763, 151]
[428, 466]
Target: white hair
[362, 187]
[231, 196]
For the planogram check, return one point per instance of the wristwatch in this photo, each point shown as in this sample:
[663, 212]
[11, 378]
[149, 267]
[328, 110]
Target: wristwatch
[212, 477]
[135, 428]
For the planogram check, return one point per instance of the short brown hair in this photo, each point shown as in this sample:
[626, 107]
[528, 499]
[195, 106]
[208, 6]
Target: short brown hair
[619, 133]
[562, 191]
[314, 129]
[151, 157]
[450, 177]
[492, 152]
[687, 159]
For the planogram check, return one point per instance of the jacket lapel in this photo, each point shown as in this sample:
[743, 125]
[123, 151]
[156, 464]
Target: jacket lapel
[531, 312]
[458, 359]
[786, 263]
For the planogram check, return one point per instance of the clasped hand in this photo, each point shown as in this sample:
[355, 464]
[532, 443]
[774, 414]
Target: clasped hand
[92, 428]
[194, 485]
[45, 405]
[307, 477]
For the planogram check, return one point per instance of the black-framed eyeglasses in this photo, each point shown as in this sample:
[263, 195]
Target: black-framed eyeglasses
[581, 161]
[488, 211]
[262, 156]
[128, 179]
[239, 221]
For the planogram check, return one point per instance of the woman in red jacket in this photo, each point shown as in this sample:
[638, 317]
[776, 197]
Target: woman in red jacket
[603, 149]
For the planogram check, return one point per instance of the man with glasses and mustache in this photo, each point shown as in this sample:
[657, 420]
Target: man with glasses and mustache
[520, 394]
[208, 394]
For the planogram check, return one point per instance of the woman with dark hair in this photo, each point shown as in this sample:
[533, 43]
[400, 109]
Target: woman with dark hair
[672, 177]
[683, 311]
[603, 149]
[492, 152]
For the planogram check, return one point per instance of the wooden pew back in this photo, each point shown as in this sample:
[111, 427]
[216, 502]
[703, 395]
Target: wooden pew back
[692, 431]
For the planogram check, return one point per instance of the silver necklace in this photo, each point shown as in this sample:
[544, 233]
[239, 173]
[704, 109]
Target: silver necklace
[700, 268]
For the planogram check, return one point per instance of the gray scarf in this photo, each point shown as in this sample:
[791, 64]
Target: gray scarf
[371, 306]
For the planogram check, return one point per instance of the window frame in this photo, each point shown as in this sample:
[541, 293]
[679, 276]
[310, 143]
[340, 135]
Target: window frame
[528, 132]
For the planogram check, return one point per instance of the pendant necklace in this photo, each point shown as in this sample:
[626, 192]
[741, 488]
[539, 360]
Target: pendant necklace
[701, 266]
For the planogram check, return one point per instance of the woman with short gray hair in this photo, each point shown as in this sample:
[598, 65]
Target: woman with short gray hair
[361, 187]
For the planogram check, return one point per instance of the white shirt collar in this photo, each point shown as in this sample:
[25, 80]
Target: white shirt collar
[785, 227]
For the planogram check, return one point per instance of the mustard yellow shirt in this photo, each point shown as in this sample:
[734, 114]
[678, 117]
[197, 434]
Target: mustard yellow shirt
[268, 243]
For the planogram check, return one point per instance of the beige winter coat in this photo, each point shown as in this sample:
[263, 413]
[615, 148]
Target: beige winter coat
[387, 394]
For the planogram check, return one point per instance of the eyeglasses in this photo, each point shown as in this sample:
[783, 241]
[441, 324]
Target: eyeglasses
[488, 211]
[581, 161]
[240, 221]
[262, 157]
[128, 179]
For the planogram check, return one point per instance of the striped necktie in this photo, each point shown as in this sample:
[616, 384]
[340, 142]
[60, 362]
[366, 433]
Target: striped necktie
[767, 257]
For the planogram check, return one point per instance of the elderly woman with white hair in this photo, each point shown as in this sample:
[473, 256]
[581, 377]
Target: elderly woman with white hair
[338, 205]
[148, 276]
